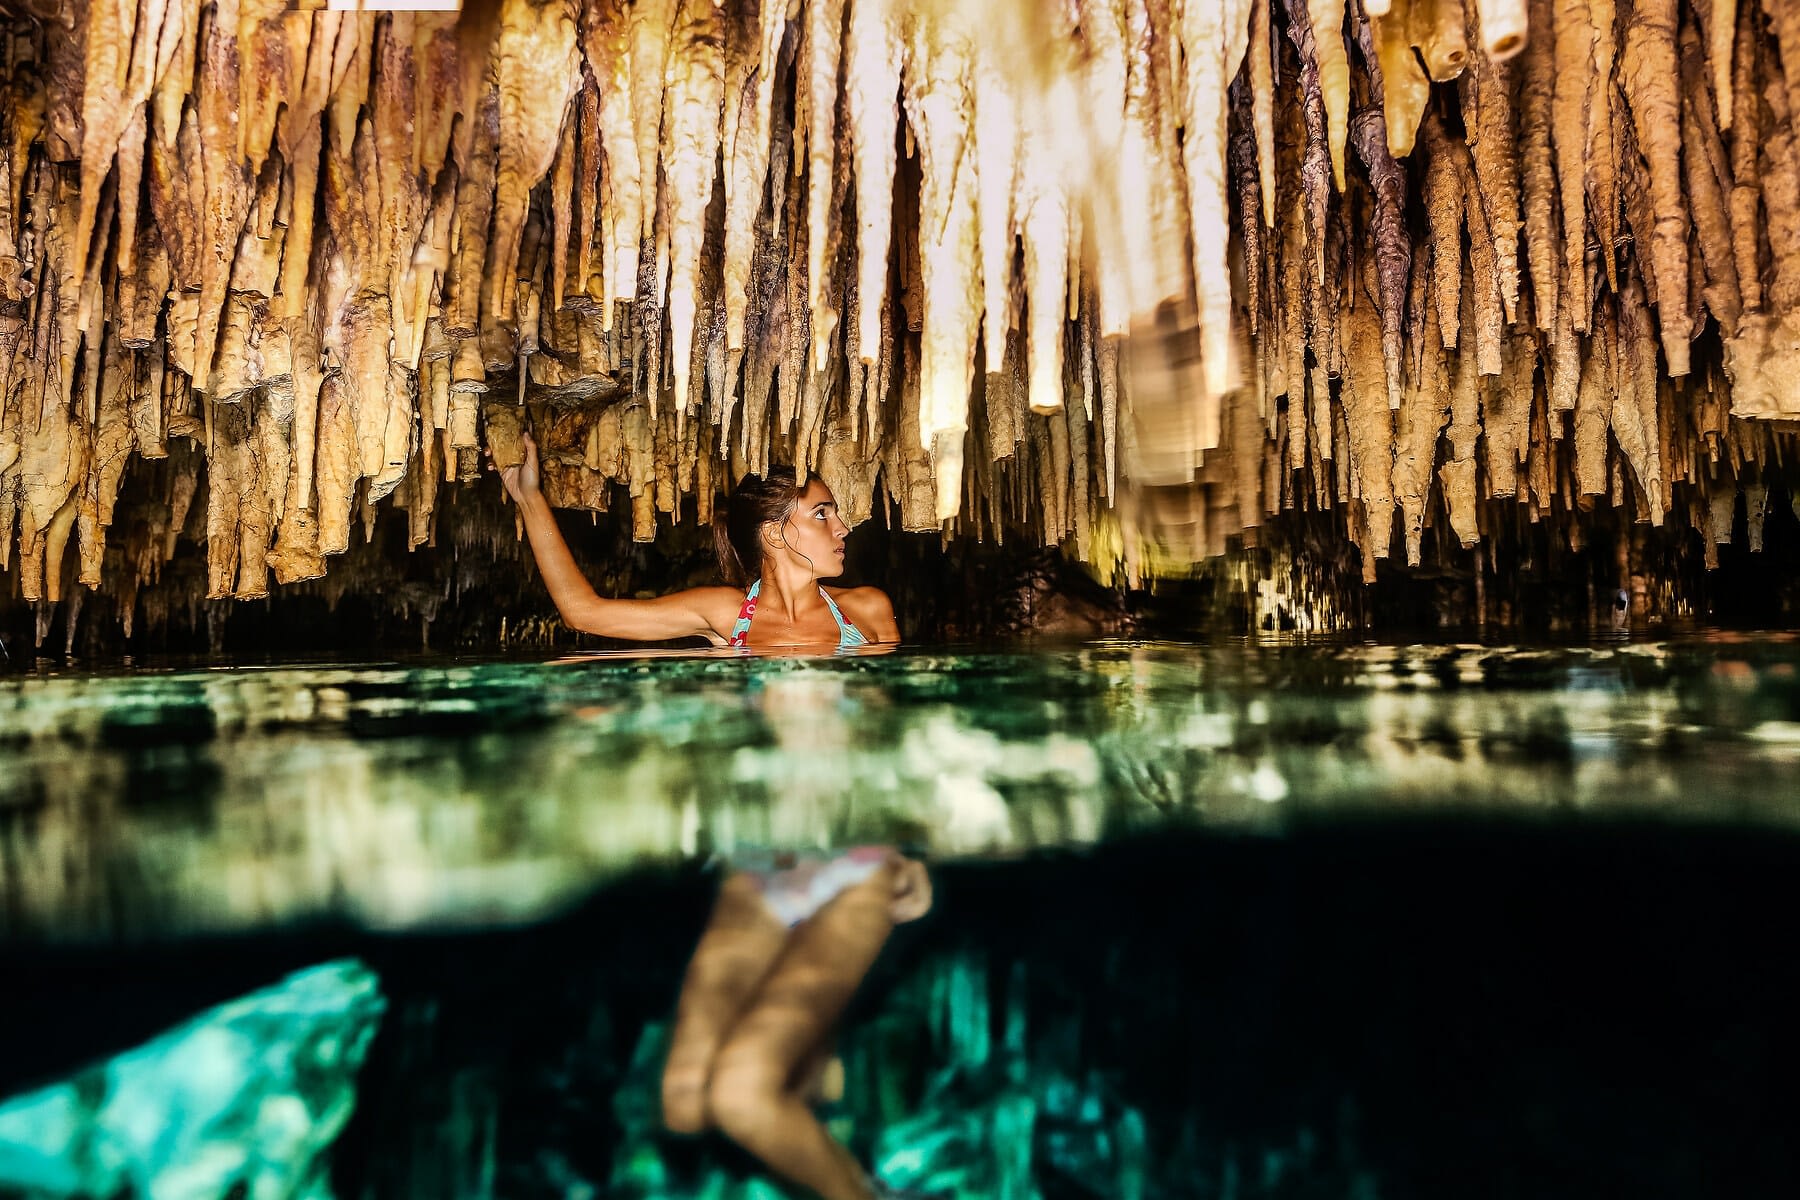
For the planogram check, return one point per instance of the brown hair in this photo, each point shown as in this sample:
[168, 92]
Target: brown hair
[757, 500]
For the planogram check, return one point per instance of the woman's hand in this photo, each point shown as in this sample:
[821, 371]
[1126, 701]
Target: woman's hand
[912, 891]
[522, 480]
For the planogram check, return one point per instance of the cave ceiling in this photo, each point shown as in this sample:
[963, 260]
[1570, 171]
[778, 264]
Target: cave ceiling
[1134, 275]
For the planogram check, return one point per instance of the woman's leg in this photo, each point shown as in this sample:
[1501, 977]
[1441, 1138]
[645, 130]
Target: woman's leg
[741, 943]
[756, 1096]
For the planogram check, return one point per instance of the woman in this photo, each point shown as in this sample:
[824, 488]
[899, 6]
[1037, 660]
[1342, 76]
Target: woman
[779, 539]
[792, 936]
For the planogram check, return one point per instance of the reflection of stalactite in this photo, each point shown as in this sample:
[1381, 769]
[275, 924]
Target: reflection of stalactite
[333, 253]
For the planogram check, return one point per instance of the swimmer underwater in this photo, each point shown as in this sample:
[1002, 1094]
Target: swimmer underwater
[791, 936]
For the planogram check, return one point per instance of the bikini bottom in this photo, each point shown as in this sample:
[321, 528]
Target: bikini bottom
[795, 886]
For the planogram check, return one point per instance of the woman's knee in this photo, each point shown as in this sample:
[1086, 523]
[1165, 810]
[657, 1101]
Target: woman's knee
[744, 1095]
[684, 1098]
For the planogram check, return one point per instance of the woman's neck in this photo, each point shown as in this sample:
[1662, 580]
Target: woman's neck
[788, 591]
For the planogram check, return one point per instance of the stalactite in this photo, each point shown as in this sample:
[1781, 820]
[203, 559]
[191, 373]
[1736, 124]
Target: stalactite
[1485, 93]
[872, 72]
[1043, 224]
[1368, 418]
[938, 101]
[1708, 180]
[1651, 80]
[1213, 39]
[1604, 111]
[1404, 86]
[1543, 230]
[1420, 419]
[1575, 36]
[692, 105]
[1746, 138]
[1393, 254]
[1458, 471]
[1319, 160]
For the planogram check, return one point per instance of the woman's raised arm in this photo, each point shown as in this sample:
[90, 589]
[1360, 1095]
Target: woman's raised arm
[682, 614]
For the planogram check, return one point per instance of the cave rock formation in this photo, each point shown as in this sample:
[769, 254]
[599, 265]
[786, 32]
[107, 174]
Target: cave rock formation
[1136, 276]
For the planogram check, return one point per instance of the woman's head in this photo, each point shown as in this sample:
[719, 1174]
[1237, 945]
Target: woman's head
[770, 519]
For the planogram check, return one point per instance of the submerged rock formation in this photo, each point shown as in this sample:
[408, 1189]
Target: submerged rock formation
[245, 1099]
[1136, 276]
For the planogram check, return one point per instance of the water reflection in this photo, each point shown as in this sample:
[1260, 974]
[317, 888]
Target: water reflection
[166, 802]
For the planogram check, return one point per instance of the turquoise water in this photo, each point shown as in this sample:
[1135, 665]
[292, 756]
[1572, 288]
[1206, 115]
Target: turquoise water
[1259, 922]
[448, 793]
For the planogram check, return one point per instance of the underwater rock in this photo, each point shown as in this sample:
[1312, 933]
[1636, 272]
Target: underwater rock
[244, 1101]
[999, 1121]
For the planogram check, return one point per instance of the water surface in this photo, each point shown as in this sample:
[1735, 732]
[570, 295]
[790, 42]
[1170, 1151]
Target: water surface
[459, 793]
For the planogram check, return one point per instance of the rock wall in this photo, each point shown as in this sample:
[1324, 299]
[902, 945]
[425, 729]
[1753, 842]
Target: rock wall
[1130, 277]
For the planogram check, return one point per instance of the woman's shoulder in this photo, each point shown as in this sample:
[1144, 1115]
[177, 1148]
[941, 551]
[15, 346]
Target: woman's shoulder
[860, 595]
[864, 605]
[717, 604]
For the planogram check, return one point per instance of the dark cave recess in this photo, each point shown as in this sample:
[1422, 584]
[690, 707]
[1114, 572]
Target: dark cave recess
[474, 588]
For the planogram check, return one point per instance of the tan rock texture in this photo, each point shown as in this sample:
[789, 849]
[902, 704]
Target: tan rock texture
[1135, 276]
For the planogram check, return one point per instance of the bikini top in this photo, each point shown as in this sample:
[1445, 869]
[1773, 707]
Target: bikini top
[849, 635]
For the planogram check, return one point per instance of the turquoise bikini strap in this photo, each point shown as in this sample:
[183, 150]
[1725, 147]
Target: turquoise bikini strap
[848, 633]
[741, 631]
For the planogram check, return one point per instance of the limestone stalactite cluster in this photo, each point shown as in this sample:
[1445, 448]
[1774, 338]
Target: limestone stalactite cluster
[1121, 272]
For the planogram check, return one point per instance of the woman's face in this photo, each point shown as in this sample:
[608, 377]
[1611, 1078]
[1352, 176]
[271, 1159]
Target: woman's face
[814, 533]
